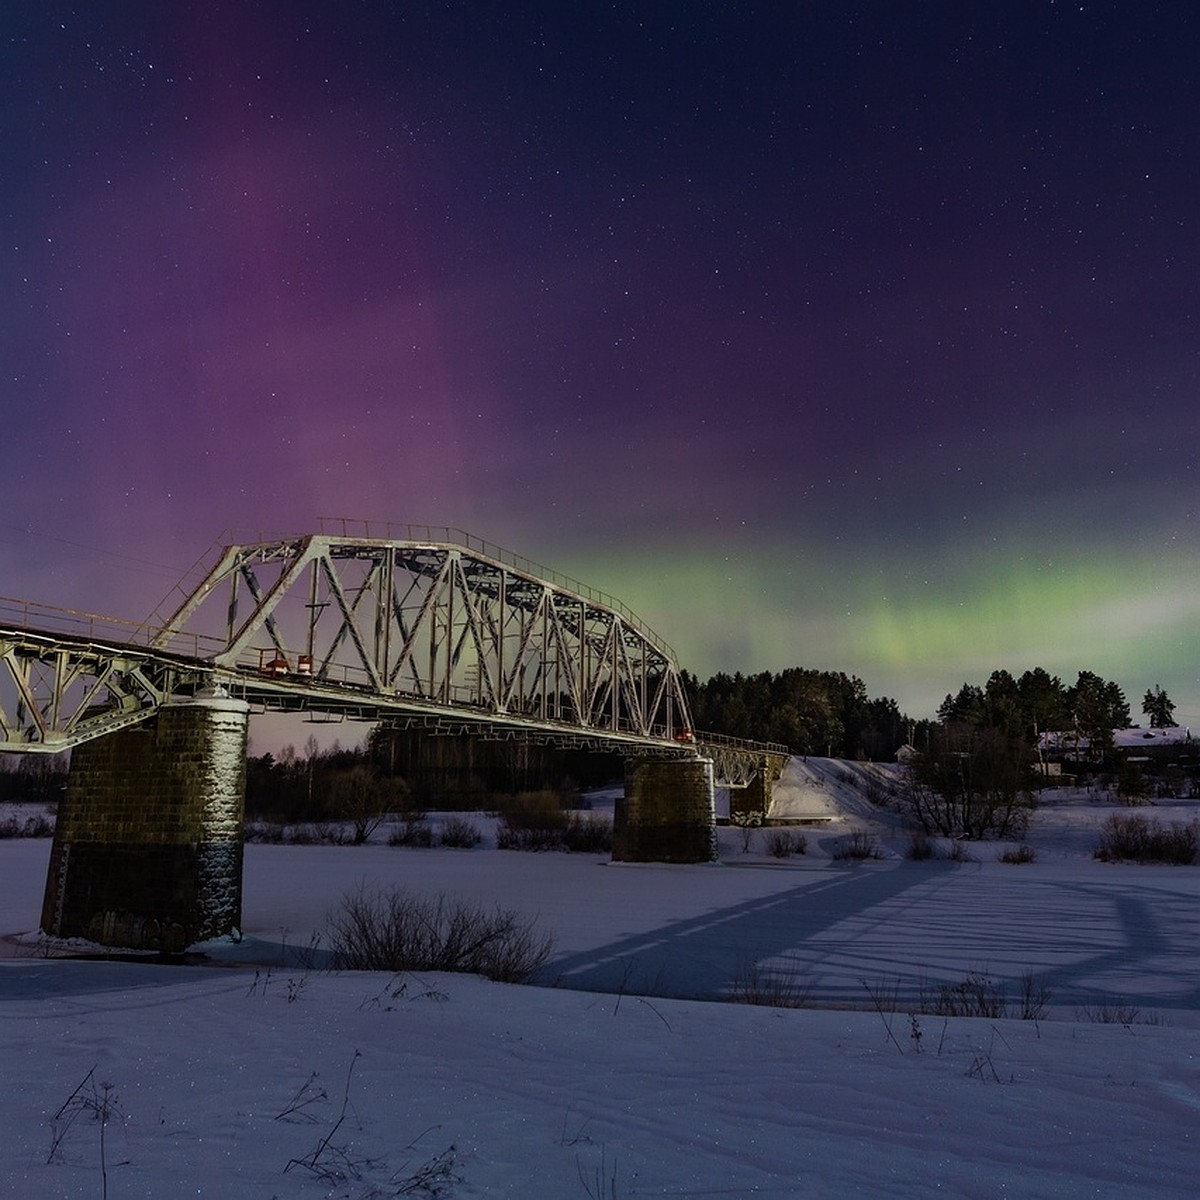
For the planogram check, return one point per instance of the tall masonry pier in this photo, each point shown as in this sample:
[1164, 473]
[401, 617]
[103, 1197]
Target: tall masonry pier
[148, 849]
[667, 812]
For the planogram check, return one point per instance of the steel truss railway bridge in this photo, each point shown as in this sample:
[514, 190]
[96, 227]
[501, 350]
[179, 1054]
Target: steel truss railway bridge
[414, 626]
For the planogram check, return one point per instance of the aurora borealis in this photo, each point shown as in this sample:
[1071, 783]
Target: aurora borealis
[855, 336]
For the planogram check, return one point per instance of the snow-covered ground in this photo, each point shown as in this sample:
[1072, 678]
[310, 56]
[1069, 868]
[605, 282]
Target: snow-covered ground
[624, 1078]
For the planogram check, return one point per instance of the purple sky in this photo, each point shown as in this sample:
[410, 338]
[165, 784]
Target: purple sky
[863, 336]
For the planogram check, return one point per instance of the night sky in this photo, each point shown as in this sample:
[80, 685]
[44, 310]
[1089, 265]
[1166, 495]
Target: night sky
[858, 336]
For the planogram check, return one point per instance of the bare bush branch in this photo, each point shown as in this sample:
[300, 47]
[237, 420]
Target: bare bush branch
[393, 930]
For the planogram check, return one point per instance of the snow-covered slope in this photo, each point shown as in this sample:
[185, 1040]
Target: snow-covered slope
[831, 789]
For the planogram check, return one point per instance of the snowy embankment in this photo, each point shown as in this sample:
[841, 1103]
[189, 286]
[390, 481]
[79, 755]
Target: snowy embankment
[610, 1084]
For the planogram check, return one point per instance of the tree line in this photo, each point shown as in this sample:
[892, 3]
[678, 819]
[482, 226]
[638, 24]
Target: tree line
[1038, 703]
[412, 770]
[830, 713]
[811, 712]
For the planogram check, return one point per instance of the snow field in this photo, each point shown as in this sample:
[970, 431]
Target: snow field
[626, 1078]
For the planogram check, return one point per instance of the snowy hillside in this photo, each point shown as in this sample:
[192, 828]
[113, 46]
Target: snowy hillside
[850, 793]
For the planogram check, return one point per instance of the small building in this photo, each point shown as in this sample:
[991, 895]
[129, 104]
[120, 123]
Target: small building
[1138, 738]
[1069, 743]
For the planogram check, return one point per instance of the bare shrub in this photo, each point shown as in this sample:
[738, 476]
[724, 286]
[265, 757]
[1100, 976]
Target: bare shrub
[1024, 853]
[1136, 838]
[413, 830]
[1034, 997]
[920, 847]
[783, 843]
[1114, 1012]
[875, 789]
[510, 837]
[1178, 844]
[578, 832]
[304, 833]
[588, 833]
[514, 948]
[531, 821]
[746, 822]
[36, 826]
[264, 832]
[394, 930]
[321, 833]
[533, 810]
[1123, 837]
[459, 833]
[363, 797]
[857, 847]
[973, 996]
[770, 988]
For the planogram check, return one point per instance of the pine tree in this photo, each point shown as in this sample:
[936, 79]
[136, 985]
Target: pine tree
[1099, 707]
[1157, 705]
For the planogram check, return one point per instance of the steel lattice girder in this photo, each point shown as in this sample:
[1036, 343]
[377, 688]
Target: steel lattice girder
[437, 623]
[738, 767]
[439, 634]
[56, 692]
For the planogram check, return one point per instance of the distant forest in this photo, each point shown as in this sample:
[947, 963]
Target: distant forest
[829, 713]
[811, 712]
[1039, 702]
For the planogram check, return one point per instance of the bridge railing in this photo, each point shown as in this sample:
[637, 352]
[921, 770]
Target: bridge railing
[25, 614]
[722, 741]
[96, 627]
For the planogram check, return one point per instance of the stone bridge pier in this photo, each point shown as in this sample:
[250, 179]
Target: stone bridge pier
[667, 813]
[148, 850]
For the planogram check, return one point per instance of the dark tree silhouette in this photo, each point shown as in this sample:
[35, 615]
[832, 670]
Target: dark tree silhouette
[1158, 706]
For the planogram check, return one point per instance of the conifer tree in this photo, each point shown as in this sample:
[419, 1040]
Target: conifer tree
[1158, 706]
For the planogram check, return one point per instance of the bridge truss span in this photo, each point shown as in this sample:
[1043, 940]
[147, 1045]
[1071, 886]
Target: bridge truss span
[436, 625]
[456, 637]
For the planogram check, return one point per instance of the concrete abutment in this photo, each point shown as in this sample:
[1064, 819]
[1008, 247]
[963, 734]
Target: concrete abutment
[750, 804]
[148, 848]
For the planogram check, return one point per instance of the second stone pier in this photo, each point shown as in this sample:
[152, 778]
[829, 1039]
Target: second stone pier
[667, 813]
